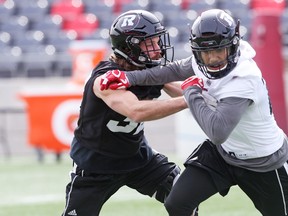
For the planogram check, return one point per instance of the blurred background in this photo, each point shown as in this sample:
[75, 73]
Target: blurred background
[48, 48]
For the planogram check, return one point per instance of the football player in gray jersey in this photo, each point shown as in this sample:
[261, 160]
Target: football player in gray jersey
[109, 149]
[228, 97]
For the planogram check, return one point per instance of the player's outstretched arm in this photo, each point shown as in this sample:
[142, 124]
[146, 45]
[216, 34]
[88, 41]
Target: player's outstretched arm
[127, 104]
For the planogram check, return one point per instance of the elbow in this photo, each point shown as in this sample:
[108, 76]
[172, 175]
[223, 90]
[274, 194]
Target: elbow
[219, 134]
[217, 141]
[136, 117]
[218, 138]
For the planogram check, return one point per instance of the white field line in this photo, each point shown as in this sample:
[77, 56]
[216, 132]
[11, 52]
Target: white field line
[122, 195]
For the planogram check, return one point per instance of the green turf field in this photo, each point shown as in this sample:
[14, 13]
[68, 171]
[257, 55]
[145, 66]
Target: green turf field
[29, 188]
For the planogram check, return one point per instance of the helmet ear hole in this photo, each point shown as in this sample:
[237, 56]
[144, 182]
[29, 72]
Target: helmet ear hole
[142, 58]
[235, 40]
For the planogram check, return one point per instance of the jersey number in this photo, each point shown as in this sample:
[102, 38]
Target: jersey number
[115, 126]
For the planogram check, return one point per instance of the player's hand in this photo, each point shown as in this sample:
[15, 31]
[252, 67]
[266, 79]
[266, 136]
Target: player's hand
[114, 79]
[192, 81]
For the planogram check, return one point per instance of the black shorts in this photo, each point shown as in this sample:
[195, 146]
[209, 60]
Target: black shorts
[87, 192]
[207, 173]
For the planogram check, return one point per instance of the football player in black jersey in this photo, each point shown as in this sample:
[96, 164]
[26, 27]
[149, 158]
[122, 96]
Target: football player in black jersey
[109, 149]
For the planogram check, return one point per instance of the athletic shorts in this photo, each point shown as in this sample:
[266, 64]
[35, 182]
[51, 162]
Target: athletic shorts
[87, 192]
[207, 173]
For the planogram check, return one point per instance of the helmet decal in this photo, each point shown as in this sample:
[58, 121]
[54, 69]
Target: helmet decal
[129, 21]
[225, 19]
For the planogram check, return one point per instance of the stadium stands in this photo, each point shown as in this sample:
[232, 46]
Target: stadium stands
[35, 34]
[67, 9]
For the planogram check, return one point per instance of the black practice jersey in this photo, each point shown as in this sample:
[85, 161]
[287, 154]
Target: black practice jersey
[106, 141]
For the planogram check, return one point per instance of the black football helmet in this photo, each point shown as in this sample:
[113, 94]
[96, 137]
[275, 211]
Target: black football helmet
[133, 27]
[215, 29]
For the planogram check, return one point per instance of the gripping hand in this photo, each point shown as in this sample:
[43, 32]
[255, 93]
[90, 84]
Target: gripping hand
[192, 81]
[114, 79]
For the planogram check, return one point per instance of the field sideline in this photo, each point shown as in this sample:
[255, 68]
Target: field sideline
[29, 188]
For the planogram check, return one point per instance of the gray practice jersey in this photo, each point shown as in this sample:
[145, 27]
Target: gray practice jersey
[235, 111]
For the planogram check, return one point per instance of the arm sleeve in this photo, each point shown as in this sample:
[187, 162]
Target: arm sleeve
[175, 71]
[217, 120]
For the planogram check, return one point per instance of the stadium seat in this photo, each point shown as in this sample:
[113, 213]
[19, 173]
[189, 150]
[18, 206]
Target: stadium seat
[186, 3]
[117, 4]
[30, 41]
[15, 25]
[49, 25]
[99, 34]
[105, 23]
[5, 39]
[167, 8]
[6, 12]
[134, 6]
[183, 24]
[24, 3]
[182, 50]
[61, 41]
[68, 9]
[82, 24]
[8, 63]
[103, 12]
[201, 6]
[37, 65]
[235, 8]
[99, 8]
[33, 12]
[62, 65]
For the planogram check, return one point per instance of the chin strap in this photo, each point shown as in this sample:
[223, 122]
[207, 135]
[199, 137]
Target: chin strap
[128, 58]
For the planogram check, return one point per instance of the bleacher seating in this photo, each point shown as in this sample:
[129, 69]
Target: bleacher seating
[67, 9]
[83, 24]
[39, 67]
[9, 63]
[35, 35]
[104, 13]
[30, 41]
[33, 12]
[50, 25]
[6, 11]
[61, 40]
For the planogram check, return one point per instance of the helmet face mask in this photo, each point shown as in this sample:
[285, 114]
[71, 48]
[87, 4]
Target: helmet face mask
[132, 29]
[215, 30]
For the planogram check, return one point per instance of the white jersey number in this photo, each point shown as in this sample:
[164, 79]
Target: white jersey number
[115, 126]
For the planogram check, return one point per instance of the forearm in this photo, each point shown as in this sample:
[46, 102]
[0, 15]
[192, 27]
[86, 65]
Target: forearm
[157, 109]
[173, 89]
[127, 104]
[175, 71]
